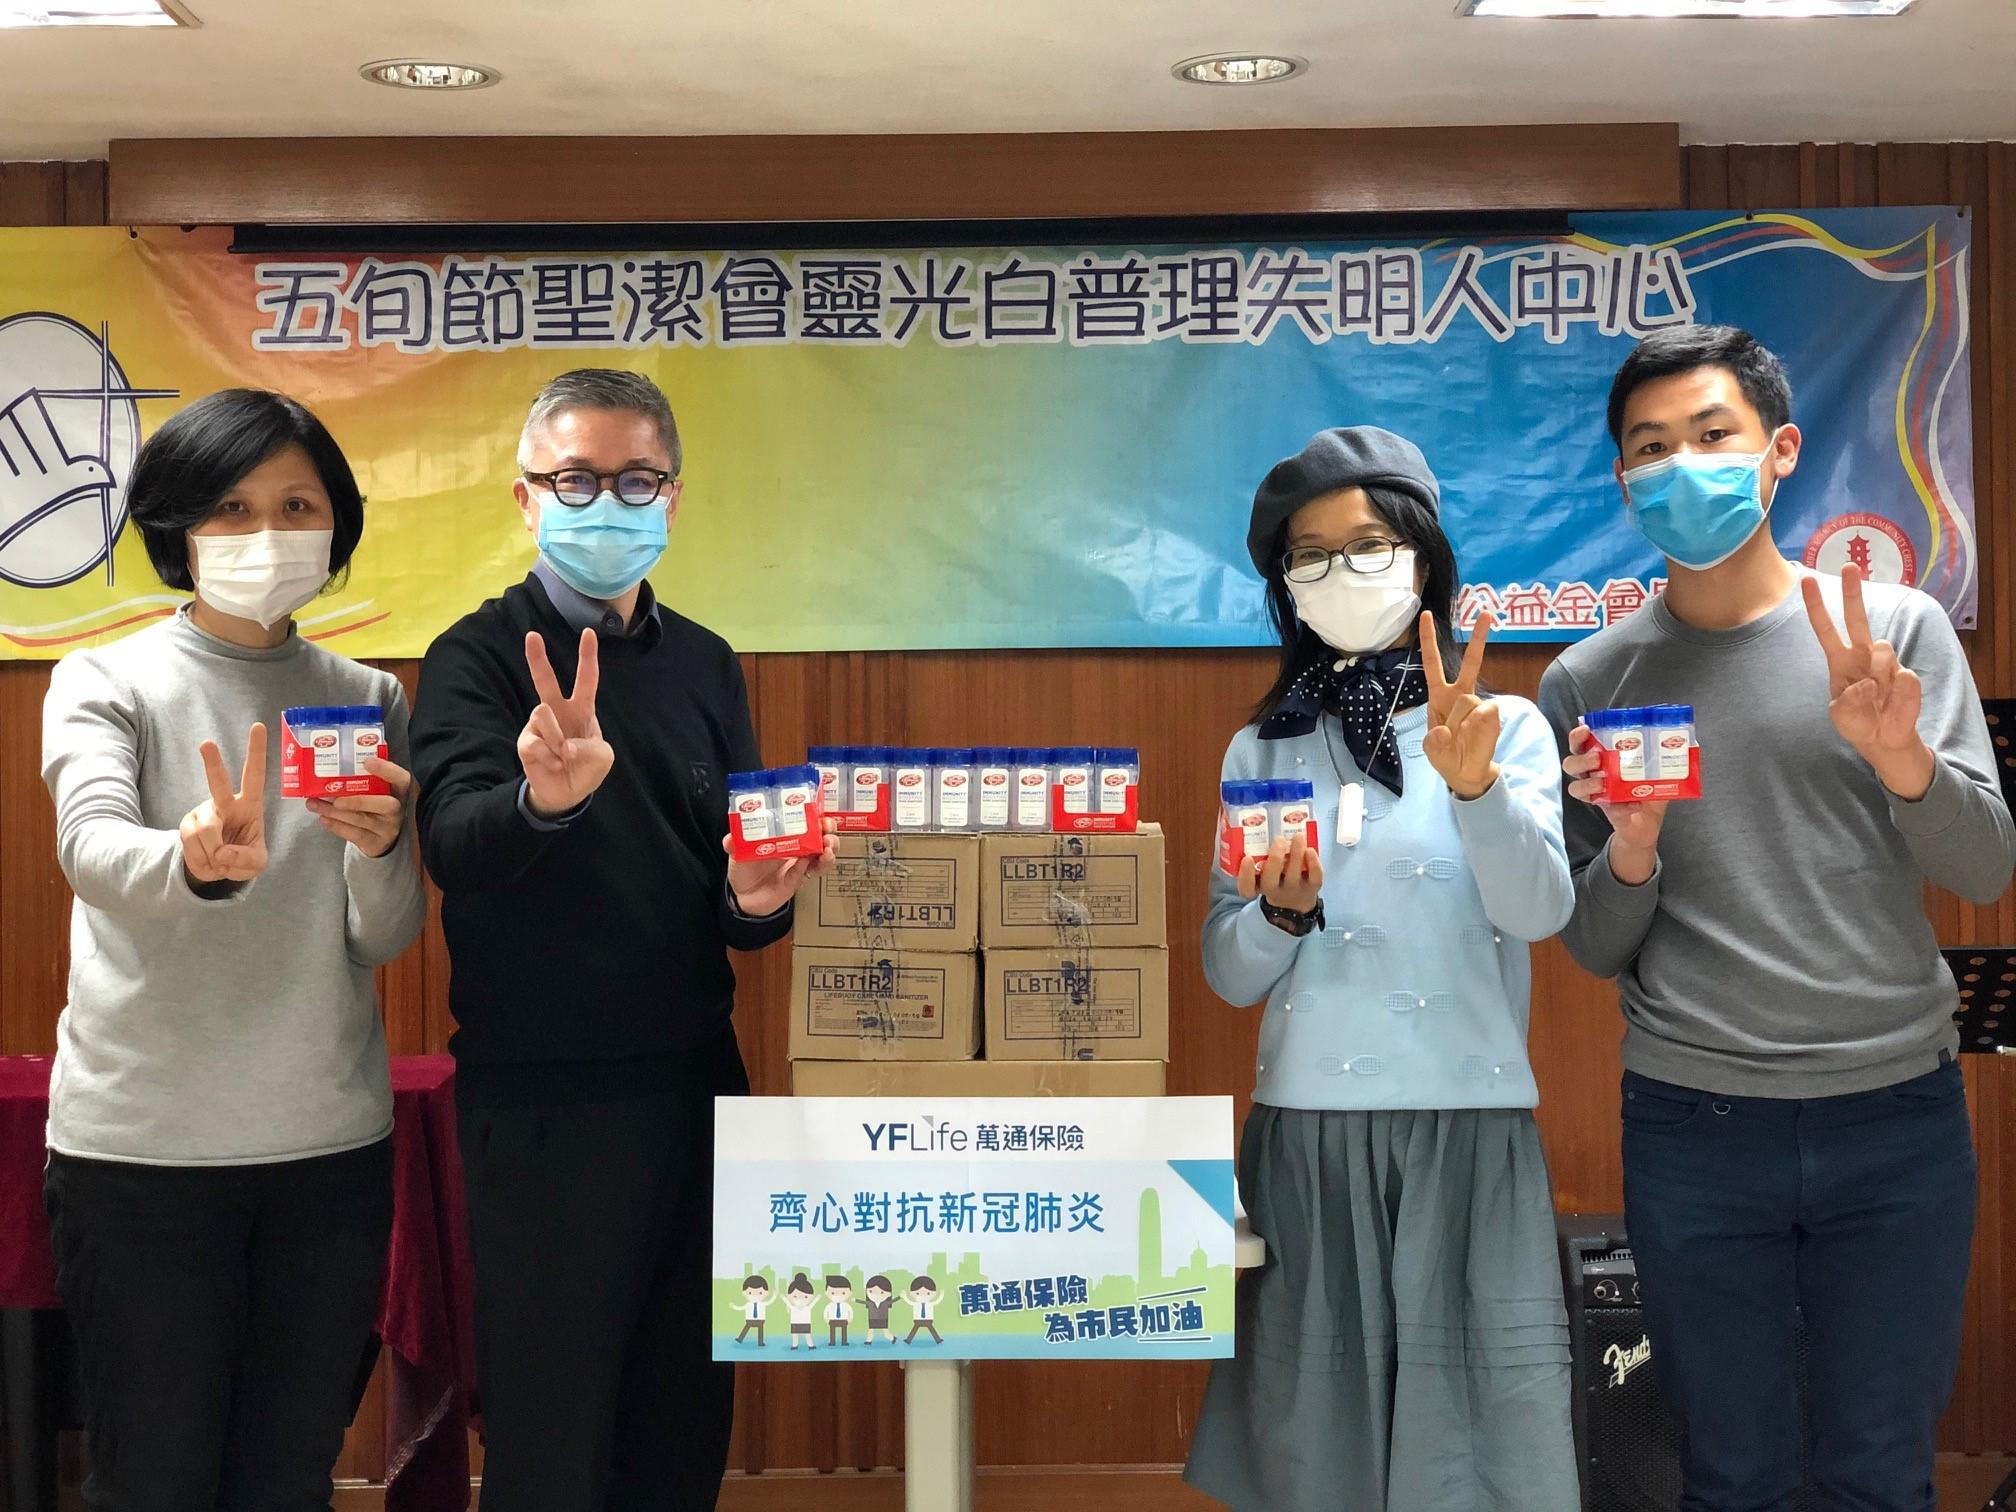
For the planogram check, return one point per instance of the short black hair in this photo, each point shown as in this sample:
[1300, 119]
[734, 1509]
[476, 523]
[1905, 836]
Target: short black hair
[881, 1281]
[202, 451]
[1682, 349]
[924, 1283]
[756, 1283]
[840, 1283]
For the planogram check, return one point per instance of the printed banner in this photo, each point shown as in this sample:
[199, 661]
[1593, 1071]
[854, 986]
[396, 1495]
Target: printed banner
[973, 1228]
[986, 447]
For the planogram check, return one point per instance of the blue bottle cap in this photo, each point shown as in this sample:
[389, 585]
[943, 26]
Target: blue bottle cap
[956, 756]
[1121, 756]
[1072, 756]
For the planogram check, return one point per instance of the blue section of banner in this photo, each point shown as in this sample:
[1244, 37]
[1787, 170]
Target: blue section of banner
[1497, 358]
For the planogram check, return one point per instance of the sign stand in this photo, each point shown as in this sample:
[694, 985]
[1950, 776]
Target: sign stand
[938, 1415]
[938, 1436]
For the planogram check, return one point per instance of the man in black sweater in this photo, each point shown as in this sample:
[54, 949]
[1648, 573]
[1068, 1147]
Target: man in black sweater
[589, 904]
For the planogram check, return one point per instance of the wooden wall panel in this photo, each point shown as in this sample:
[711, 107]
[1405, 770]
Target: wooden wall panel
[366, 180]
[1180, 707]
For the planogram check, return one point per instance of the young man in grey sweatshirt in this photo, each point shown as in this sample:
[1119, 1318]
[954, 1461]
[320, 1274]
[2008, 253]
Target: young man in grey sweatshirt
[1796, 1144]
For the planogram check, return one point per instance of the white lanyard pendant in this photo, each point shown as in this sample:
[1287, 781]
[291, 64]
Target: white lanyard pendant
[1350, 813]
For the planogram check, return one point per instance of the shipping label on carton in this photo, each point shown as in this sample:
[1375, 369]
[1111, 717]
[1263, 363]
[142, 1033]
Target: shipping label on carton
[896, 892]
[1044, 891]
[1077, 1005]
[865, 1005]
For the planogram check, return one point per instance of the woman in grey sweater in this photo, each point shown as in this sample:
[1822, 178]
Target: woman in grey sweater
[220, 1117]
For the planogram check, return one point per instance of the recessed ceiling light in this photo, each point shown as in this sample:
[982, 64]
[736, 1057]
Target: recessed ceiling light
[419, 73]
[1668, 10]
[1238, 68]
[24, 13]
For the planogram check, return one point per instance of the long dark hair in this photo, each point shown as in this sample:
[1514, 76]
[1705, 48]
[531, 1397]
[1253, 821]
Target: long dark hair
[1414, 523]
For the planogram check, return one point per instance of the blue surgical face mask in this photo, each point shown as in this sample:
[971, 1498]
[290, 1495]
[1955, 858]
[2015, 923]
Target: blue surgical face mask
[604, 548]
[1698, 508]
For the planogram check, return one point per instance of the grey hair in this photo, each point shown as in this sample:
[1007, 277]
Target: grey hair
[601, 389]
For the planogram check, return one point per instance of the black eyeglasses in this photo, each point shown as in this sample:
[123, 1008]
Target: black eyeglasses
[577, 487]
[1311, 564]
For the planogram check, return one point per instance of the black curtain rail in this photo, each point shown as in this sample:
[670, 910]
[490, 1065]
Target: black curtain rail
[1117, 232]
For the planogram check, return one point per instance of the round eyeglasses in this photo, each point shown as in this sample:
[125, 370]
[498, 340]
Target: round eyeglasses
[576, 487]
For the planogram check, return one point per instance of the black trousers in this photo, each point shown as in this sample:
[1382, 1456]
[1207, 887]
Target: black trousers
[591, 1223]
[222, 1314]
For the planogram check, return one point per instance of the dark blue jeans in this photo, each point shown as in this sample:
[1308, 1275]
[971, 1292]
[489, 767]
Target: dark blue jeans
[1858, 1211]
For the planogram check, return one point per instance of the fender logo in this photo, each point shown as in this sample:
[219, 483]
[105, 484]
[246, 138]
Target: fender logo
[1623, 1362]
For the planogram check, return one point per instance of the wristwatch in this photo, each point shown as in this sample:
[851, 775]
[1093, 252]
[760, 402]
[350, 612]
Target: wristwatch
[1293, 921]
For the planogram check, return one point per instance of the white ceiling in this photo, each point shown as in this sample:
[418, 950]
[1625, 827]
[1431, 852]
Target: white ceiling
[1944, 71]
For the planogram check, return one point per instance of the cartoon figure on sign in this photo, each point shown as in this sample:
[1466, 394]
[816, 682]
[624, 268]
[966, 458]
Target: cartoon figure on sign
[839, 1308]
[755, 1302]
[69, 427]
[881, 1296]
[799, 1300]
[923, 1298]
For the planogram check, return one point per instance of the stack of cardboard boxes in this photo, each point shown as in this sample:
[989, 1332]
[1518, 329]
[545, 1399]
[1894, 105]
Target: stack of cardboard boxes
[1000, 965]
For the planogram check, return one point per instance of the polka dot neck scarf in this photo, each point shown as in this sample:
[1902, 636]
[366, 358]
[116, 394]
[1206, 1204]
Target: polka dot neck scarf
[1362, 691]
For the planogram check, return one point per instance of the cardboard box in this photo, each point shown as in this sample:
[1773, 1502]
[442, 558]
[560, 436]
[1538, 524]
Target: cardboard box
[1044, 892]
[896, 892]
[883, 1005]
[978, 1078]
[1076, 1004]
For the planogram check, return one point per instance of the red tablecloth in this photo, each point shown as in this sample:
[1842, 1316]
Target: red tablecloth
[424, 1316]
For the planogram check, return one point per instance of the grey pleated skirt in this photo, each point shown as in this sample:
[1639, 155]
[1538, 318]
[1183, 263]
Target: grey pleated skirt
[1405, 1347]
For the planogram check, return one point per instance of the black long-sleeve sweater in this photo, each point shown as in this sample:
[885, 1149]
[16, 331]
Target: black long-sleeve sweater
[606, 939]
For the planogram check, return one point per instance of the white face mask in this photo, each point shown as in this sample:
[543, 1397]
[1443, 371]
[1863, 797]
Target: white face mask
[1356, 612]
[265, 575]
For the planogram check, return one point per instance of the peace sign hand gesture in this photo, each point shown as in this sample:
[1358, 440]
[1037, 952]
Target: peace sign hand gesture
[1873, 699]
[224, 838]
[561, 748]
[1462, 737]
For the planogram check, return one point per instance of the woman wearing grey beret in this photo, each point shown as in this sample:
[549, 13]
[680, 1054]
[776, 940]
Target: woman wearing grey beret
[1404, 1348]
